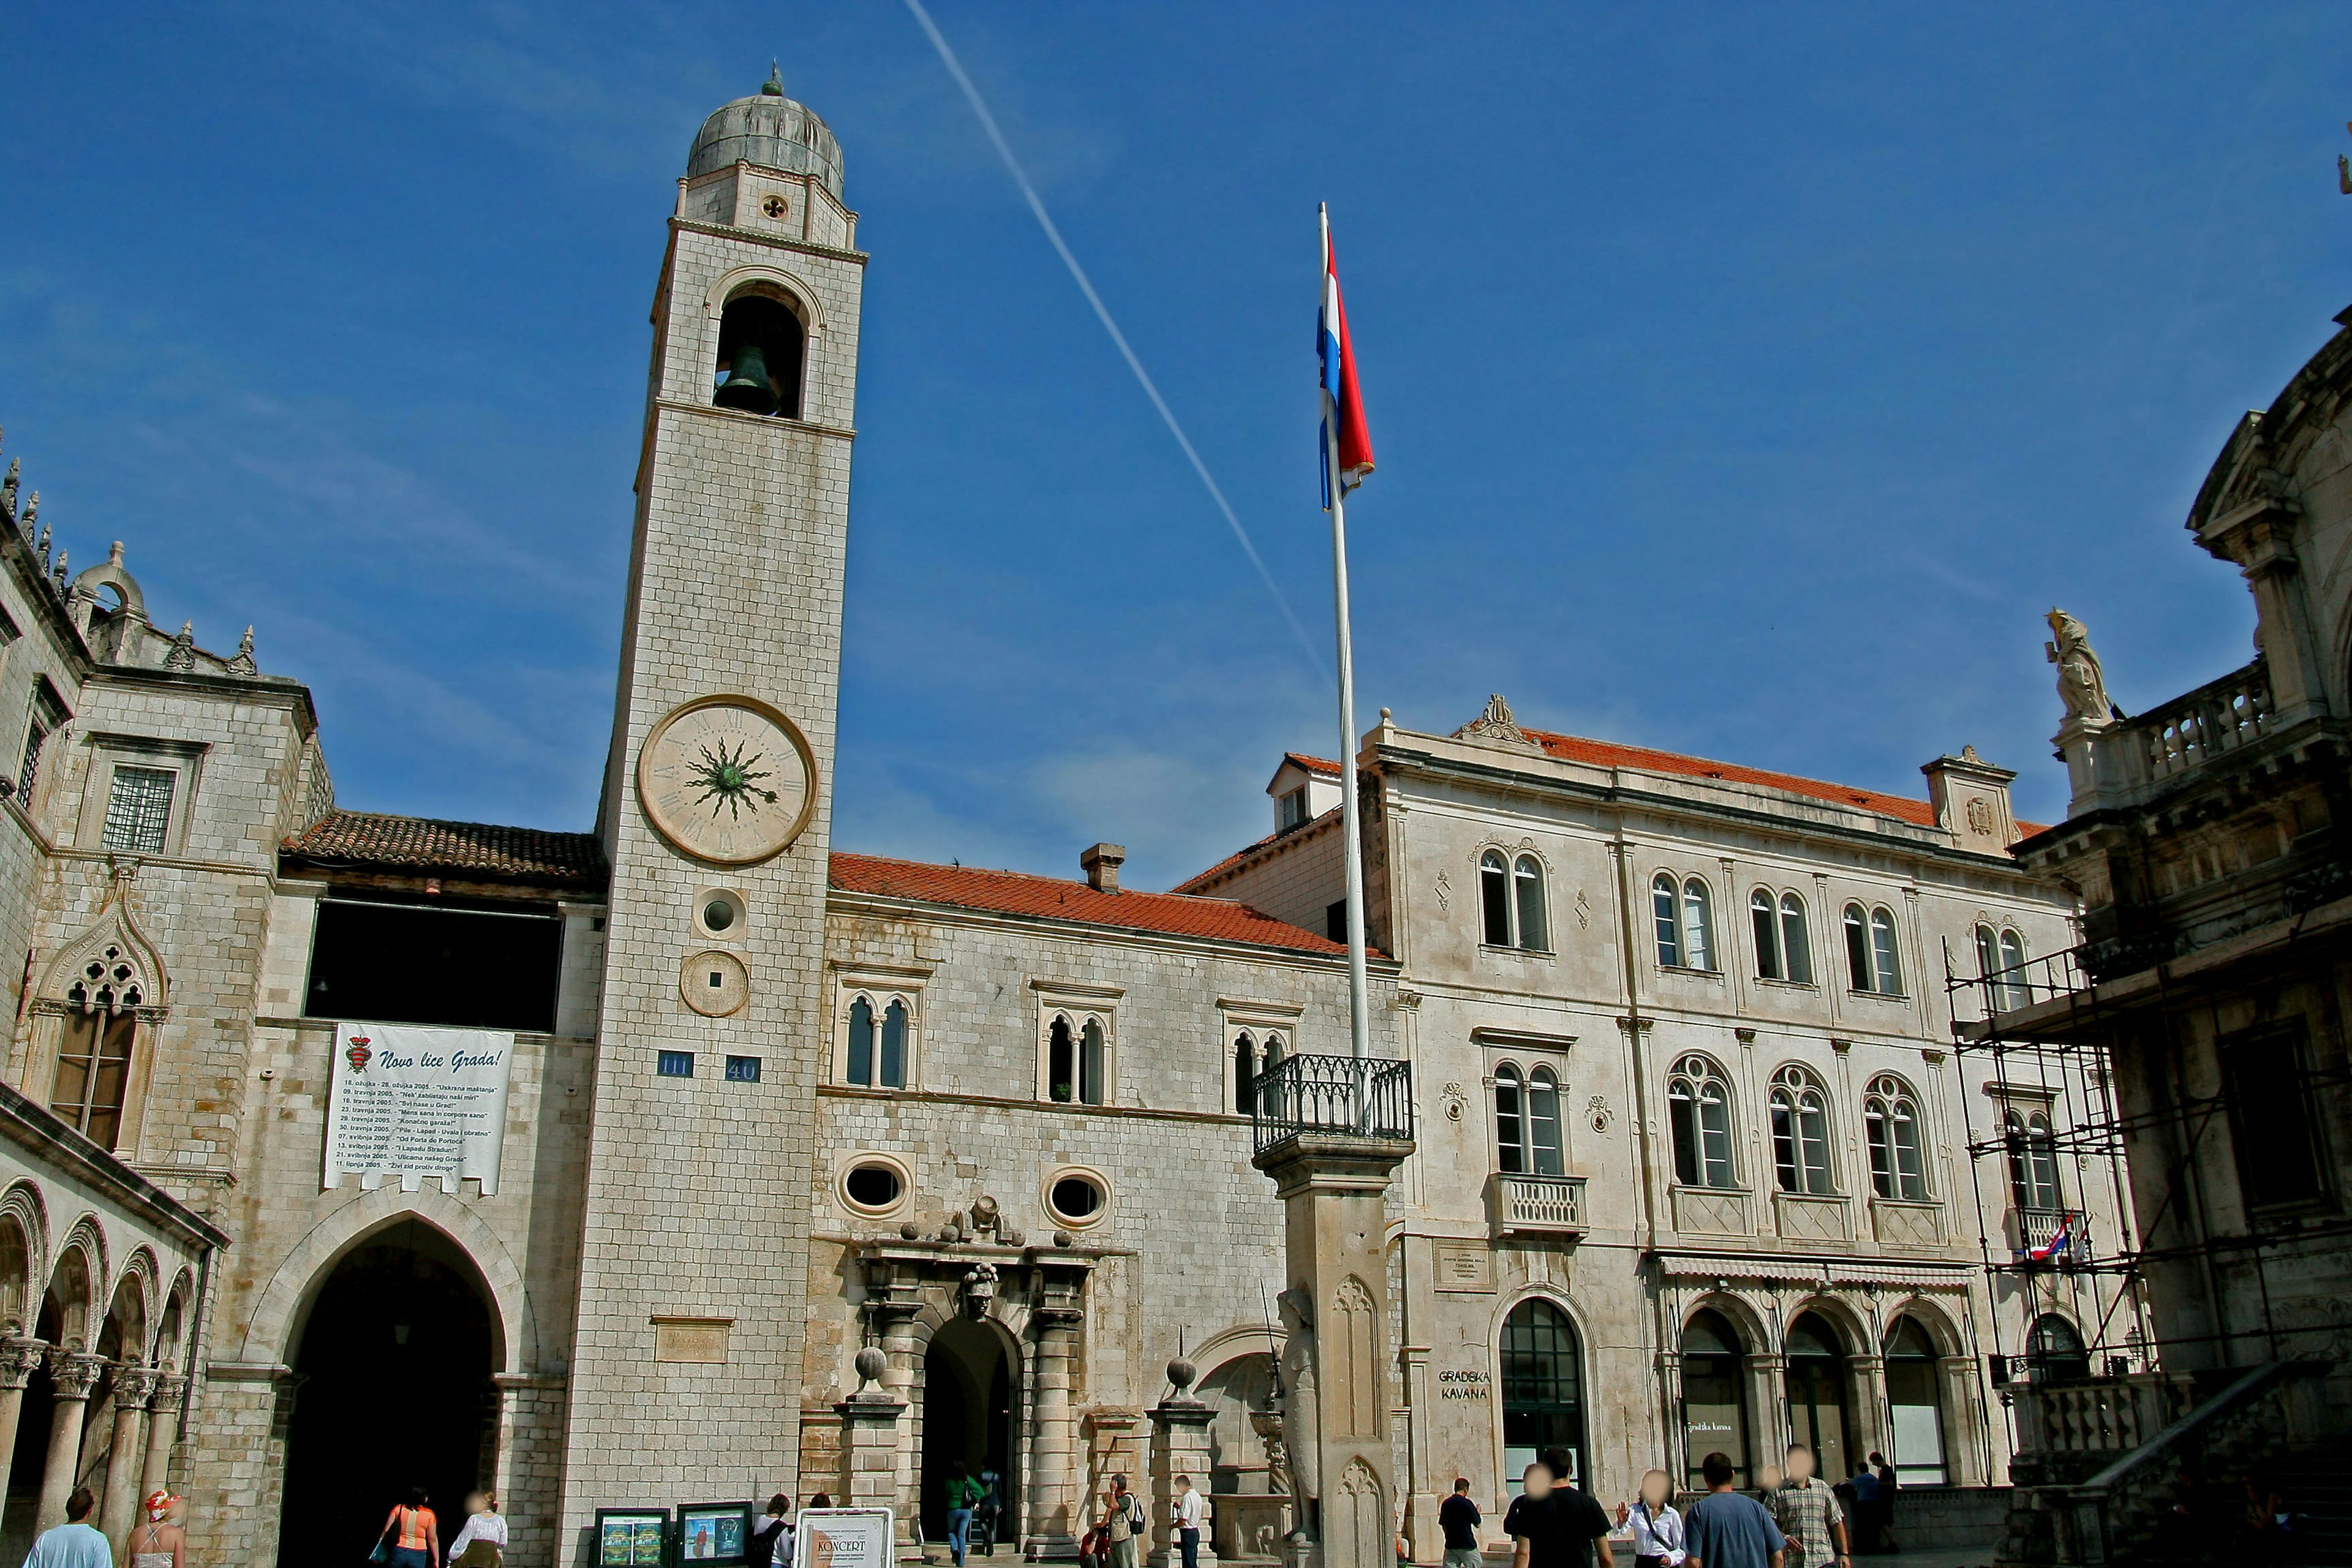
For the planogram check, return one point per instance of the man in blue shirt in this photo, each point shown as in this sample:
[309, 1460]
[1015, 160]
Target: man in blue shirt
[73, 1544]
[1727, 1528]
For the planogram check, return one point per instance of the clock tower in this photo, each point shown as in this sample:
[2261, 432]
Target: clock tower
[718, 807]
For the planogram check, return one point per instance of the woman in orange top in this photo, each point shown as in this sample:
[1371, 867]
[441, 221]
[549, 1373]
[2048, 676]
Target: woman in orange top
[418, 1543]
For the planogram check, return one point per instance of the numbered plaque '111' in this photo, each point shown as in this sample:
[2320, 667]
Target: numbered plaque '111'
[727, 779]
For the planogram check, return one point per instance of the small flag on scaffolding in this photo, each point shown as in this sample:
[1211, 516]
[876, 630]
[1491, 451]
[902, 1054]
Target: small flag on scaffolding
[2061, 1240]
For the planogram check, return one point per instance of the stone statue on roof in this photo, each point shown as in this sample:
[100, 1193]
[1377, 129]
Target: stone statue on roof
[2082, 684]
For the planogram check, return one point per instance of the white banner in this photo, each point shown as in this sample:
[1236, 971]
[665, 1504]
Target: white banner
[843, 1538]
[417, 1102]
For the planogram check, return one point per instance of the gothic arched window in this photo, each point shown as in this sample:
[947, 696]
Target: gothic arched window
[93, 1071]
[894, 1045]
[1244, 1071]
[1698, 1105]
[1890, 1121]
[1801, 1132]
[2032, 1162]
[859, 1066]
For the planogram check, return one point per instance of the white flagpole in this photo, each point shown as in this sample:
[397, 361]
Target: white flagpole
[1360, 1011]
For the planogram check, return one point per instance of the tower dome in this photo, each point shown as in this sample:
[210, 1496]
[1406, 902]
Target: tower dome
[772, 130]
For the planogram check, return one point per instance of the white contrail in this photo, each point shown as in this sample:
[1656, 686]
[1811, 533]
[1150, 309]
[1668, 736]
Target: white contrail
[1102, 313]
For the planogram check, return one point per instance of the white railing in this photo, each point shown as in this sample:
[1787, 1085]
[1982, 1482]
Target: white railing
[1553, 1204]
[2190, 731]
[2034, 1228]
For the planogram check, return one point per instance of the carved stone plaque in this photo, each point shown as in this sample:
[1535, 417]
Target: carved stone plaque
[1464, 1266]
[693, 1340]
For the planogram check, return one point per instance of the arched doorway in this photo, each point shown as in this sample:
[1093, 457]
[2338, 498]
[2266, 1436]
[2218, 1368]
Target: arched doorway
[1915, 1401]
[1241, 1478]
[2055, 1352]
[968, 1381]
[1543, 1389]
[1715, 1397]
[1816, 1383]
[395, 1355]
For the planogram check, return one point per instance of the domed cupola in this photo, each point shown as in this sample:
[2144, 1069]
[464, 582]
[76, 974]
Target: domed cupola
[772, 131]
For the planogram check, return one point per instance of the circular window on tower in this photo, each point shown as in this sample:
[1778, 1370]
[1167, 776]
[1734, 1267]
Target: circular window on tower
[718, 911]
[1076, 1198]
[874, 1184]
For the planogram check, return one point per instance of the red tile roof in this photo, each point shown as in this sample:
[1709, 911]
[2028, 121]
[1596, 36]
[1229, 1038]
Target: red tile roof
[1610, 754]
[1312, 765]
[1050, 898]
[374, 841]
[1203, 877]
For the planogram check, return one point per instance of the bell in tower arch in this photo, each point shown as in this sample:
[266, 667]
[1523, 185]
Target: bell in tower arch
[761, 345]
[747, 386]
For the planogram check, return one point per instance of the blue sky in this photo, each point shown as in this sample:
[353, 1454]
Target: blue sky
[1746, 380]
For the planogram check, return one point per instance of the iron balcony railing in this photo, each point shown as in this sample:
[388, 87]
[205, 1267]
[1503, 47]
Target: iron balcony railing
[1358, 1097]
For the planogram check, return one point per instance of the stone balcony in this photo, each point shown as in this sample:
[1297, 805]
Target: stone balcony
[1536, 1205]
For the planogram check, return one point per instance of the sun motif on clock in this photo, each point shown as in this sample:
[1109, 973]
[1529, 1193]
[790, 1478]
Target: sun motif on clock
[728, 780]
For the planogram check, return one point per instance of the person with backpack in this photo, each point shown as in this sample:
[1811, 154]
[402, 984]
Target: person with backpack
[1124, 1525]
[772, 1539]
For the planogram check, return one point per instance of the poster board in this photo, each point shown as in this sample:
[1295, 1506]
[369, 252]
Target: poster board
[632, 1536]
[713, 1534]
[844, 1537]
[417, 1102]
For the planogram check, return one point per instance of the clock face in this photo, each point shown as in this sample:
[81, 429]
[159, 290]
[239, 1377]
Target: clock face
[729, 780]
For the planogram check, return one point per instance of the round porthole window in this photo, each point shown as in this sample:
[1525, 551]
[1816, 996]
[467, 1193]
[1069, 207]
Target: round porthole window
[1075, 1198]
[873, 1186]
[719, 912]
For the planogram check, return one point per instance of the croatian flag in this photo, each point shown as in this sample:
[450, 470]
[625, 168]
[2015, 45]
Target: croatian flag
[2061, 1240]
[1346, 440]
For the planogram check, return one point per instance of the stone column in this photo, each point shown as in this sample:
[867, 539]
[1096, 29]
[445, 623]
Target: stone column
[1053, 1530]
[869, 1440]
[1865, 1404]
[72, 1375]
[1677, 1445]
[1334, 1185]
[19, 1359]
[163, 1431]
[894, 1324]
[1964, 1459]
[1767, 1411]
[134, 1385]
[1180, 1446]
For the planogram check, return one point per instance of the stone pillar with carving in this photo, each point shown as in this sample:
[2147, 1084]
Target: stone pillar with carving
[72, 1375]
[1053, 1526]
[1865, 1404]
[134, 1385]
[1180, 1446]
[19, 1359]
[869, 1439]
[1767, 1407]
[163, 1430]
[1334, 1186]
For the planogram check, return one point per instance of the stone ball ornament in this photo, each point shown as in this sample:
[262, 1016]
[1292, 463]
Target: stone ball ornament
[871, 1365]
[1180, 1374]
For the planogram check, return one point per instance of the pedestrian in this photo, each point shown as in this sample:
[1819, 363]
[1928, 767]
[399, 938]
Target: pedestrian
[76, 1544]
[1556, 1526]
[963, 1496]
[413, 1533]
[1656, 1524]
[482, 1541]
[822, 1499]
[158, 1541]
[1727, 1528]
[1459, 1518]
[1123, 1523]
[1864, 1487]
[1887, 1486]
[771, 1541]
[1190, 1513]
[1806, 1511]
[1094, 1548]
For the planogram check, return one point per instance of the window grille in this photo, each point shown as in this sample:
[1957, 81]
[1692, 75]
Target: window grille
[139, 810]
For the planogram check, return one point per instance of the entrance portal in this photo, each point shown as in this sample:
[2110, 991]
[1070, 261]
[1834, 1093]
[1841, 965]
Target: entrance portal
[1816, 1385]
[397, 1354]
[968, 1415]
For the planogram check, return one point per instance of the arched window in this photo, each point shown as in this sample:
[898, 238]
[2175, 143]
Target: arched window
[1796, 947]
[1857, 947]
[1511, 1121]
[1715, 1396]
[1270, 1092]
[1090, 1063]
[1495, 899]
[1698, 1105]
[1890, 1121]
[1527, 878]
[1801, 1132]
[93, 1070]
[2015, 991]
[1816, 1388]
[1698, 926]
[1543, 1123]
[2032, 1162]
[1989, 964]
[1244, 1073]
[1764, 915]
[1887, 969]
[2055, 1352]
[761, 345]
[859, 1067]
[1669, 922]
[1061, 1062]
[1915, 1398]
[894, 1045]
[1543, 1388]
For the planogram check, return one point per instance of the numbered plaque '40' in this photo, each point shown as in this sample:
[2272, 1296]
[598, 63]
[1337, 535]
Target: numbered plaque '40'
[729, 780]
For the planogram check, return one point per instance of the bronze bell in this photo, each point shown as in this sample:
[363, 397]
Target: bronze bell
[747, 386]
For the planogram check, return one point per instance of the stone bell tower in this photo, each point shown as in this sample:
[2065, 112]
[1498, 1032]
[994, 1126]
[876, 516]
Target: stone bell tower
[717, 813]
